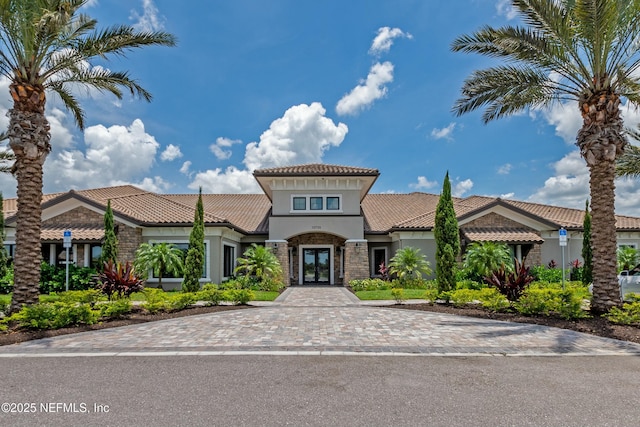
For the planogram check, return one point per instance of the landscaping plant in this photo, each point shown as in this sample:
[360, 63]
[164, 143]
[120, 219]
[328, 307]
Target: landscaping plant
[447, 238]
[194, 261]
[483, 258]
[110, 242]
[408, 264]
[511, 284]
[119, 280]
[161, 258]
[258, 261]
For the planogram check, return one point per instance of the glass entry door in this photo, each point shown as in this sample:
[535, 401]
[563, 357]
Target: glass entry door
[316, 265]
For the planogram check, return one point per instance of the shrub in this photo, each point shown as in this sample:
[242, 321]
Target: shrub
[470, 284]
[210, 294]
[490, 298]
[238, 296]
[54, 315]
[156, 300]
[181, 301]
[546, 274]
[6, 281]
[461, 297]
[547, 301]
[90, 296]
[629, 314]
[119, 280]
[369, 285]
[431, 295]
[511, 285]
[115, 309]
[398, 295]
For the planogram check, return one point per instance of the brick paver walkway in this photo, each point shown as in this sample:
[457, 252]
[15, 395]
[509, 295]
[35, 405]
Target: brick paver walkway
[325, 321]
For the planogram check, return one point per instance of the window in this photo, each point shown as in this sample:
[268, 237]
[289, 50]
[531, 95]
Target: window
[315, 203]
[299, 203]
[229, 261]
[96, 253]
[333, 203]
[379, 257]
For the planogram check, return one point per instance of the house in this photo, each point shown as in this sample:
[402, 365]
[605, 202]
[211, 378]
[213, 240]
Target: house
[320, 220]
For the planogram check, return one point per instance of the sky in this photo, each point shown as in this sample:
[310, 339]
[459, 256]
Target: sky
[256, 84]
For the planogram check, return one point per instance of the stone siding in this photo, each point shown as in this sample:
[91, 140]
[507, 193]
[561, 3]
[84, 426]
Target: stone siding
[77, 217]
[129, 240]
[281, 250]
[356, 260]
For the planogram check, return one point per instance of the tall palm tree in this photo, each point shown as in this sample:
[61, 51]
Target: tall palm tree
[568, 50]
[629, 163]
[49, 46]
[161, 258]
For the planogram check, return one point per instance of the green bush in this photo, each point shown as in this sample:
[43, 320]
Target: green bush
[629, 314]
[90, 296]
[181, 301]
[545, 274]
[210, 294]
[115, 309]
[54, 315]
[238, 296]
[398, 295]
[6, 281]
[470, 284]
[461, 297]
[53, 278]
[489, 298]
[369, 285]
[547, 301]
[431, 295]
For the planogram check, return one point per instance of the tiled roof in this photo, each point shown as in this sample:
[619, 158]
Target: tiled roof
[79, 232]
[316, 169]
[506, 235]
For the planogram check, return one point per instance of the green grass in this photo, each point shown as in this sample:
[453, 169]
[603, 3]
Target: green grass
[386, 295]
[265, 295]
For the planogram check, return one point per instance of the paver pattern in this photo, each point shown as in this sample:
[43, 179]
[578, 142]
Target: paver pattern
[326, 321]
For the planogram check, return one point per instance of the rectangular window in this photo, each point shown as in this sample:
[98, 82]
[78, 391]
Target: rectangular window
[333, 203]
[315, 203]
[299, 203]
[229, 262]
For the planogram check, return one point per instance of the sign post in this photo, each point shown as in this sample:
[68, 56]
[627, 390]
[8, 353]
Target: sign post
[66, 243]
[562, 239]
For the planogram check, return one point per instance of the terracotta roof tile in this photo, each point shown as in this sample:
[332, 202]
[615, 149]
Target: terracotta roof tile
[506, 235]
[78, 232]
[316, 169]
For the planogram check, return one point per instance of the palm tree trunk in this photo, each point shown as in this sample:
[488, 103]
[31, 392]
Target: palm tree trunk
[29, 139]
[601, 141]
[606, 291]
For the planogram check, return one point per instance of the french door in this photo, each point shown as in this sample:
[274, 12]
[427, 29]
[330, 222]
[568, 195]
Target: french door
[316, 265]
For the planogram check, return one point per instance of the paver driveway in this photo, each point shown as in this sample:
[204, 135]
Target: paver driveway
[328, 321]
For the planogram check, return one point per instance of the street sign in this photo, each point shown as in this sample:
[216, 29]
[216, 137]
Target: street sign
[66, 239]
[562, 237]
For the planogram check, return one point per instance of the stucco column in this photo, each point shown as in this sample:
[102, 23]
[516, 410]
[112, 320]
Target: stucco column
[280, 248]
[356, 260]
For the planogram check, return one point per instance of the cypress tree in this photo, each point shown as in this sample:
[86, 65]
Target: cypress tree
[587, 251]
[194, 262]
[110, 243]
[447, 239]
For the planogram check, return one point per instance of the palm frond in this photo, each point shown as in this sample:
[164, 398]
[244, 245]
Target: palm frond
[628, 164]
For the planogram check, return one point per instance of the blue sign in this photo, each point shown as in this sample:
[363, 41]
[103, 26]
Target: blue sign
[562, 232]
[67, 233]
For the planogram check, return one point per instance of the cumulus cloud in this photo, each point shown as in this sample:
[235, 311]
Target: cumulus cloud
[423, 184]
[461, 187]
[171, 153]
[302, 135]
[368, 91]
[221, 147]
[505, 169]
[569, 186]
[506, 9]
[150, 20]
[185, 168]
[113, 155]
[444, 133]
[384, 39]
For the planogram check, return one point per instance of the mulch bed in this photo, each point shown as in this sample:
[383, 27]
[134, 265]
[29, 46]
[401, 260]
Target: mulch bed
[595, 325]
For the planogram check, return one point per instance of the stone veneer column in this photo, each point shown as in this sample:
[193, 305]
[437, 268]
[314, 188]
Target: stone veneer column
[280, 248]
[356, 260]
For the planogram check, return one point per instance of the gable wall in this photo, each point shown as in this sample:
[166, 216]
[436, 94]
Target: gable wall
[493, 220]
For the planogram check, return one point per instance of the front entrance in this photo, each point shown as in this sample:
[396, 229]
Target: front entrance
[316, 265]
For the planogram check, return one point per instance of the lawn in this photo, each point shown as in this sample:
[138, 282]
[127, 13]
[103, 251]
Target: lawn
[386, 294]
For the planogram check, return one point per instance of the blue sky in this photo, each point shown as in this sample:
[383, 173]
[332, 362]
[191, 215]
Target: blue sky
[255, 84]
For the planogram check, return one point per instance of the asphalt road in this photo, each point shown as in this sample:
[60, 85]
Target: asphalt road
[320, 390]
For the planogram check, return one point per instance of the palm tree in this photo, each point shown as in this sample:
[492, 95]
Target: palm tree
[627, 258]
[577, 50]
[162, 258]
[629, 163]
[408, 263]
[49, 46]
[259, 261]
[483, 258]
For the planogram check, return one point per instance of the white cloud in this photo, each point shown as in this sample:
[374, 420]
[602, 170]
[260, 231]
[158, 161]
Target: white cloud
[220, 148]
[461, 187]
[113, 155]
[185, 168]
[505, 169]
[423, 184]
[569, 186]
[155, 184]
[383, 41]
[372, 89]
[171, 153]
[444, 133]
[150, 19]
[507, 195]
[506, 9]
[301, 135]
